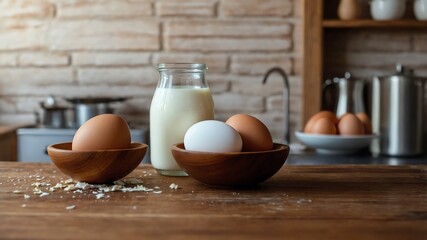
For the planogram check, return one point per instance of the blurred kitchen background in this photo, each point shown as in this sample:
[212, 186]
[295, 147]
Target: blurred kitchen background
[109, 49]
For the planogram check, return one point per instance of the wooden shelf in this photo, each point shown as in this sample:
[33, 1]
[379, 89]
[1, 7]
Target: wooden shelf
[368, 23]
[317, 20]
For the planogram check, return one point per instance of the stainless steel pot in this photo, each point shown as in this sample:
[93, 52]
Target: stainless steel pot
[54, 116]
[84, 112]
[86, 108]
[397, 113]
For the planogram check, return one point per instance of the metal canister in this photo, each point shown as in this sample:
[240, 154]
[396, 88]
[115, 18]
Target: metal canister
[350, 94]
[397, 113]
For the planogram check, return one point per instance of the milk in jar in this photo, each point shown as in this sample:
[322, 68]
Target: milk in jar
[182, 98]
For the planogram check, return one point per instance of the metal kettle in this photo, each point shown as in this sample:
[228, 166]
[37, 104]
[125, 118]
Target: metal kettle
[397, 113]
[349, 95]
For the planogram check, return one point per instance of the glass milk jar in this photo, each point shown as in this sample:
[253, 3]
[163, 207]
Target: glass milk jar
[182, 98]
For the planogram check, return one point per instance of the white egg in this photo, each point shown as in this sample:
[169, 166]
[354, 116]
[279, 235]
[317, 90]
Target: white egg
[212, 136]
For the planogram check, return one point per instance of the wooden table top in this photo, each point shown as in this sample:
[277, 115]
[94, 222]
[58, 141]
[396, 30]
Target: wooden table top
[299, 202]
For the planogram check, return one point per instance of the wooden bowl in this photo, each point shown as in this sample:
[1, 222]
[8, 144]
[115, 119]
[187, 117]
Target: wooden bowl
[103, 166]
[231, 169]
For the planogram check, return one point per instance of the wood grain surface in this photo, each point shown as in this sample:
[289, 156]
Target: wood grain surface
[368, 23]
[312, 59]
[96, 166]
[299, 202]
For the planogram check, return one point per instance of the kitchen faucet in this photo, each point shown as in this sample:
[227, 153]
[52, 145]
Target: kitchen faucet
[285, 99]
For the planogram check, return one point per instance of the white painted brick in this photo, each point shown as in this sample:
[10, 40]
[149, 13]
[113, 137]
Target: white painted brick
[43, 59]
[17, 119]
[34, 76]
[139, 121]
[218, 83]
[134, 106]
[216, 63]
[188, 8]
[136, 121]
[117, 76]
[26, 9]
[275, 122]
[233, 102]
[28, 104]
[7, 105]
[297, 38]
[259, 64]
[229, 44]
[297, 65]
[103, 8]
[227, 28]
[276, 103]
[20, 104]
[104, 35]
[8, 59]
[269, 8]
[219, 87]
[23, 34]
[252, 85]
[100, 90]
[110, 59]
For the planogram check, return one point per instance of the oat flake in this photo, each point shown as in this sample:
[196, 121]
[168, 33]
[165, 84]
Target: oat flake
[71, 207]
[44, 194]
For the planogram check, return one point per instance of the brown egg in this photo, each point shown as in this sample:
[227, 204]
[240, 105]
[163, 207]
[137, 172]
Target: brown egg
[364, 118]
[349, 124]
[255, 135]
[315, 117]
[323, 126]
[102, 132]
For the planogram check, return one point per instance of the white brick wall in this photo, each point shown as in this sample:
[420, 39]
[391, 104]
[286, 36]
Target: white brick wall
[41, 59]
[107, 59]
[251, 64]
[23, 34]
[93, 48]
[117, 76]
[8, 59]
[257, 8]
[104, 35]
[34, 76]
[103, 8]
[204, 8]
[26, 9]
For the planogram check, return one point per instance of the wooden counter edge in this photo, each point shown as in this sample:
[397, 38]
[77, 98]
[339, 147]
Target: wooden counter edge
[9, 142]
